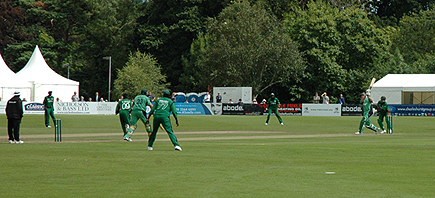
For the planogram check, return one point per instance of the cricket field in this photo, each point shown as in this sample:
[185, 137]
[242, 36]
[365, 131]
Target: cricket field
[223, 156]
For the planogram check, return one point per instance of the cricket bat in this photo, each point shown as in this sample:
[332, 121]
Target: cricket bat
[371, 83]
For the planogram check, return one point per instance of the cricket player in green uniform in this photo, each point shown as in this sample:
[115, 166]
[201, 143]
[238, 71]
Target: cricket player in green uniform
[272, 105]
[162, 111]
[138, 112]
[123, 108]
[49, 109]
[382, 107]
[366, 101]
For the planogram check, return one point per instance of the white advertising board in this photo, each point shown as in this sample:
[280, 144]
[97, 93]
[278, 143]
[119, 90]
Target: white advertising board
[321, 109]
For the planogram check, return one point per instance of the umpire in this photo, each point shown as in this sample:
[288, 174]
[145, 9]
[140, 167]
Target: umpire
[14, 113]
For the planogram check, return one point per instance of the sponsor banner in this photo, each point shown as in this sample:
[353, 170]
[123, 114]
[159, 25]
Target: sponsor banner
[290, 109]
[309, 109]
[85, 107]
[254, 109]
[412, 110]
[351, 110]
[193, 108]
[232, 109]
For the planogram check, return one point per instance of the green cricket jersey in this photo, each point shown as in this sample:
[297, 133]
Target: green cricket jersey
[273, 103]
[49, 102]
[163, 107]
[124, 105]
[382, 108]
[141, 102]
[367, 105]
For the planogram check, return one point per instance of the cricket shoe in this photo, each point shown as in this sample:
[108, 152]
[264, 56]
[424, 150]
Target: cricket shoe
[128, 139]
[376, 132]
[150, 148]
[282, 123]
[19, 142]
[358, 133]
[178, 148]
[12, 141]
[48, 126]
[383, 131]
[265, 124]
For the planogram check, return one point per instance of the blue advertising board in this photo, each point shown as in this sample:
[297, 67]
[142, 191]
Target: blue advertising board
[192, 109]
[412, 110]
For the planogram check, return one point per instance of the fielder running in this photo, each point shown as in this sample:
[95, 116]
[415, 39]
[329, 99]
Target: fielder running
[162, 111]
[272, 105]
[366, 101]
[382, 108]
[123, 108]
[49, 109]
[138, 112]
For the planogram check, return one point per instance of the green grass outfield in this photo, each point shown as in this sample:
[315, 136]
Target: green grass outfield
[223, 156]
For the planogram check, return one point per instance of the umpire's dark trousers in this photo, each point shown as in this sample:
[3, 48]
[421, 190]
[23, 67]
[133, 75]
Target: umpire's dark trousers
[14, 129]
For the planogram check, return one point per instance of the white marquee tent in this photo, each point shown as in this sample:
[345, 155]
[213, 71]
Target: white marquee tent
[9, 83]
[405, 88]
[44, 79]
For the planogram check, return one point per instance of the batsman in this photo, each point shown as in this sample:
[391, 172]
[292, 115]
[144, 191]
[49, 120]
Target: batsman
[382, 108]
[366, 101]
[138, 112]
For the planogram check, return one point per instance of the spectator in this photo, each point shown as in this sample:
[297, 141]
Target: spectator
[82, 99]
[240, 101]
[151, 96]
[74, 97]
[325, 98]
[254, 101]
[24, 100]
[186, 101]
[102, 100]
[174, 97]
[90, 99]
[97, 97]
[207, 97]
[219, 98]
[263, 101]
[230, 101]
[341, 100]
[316, 98]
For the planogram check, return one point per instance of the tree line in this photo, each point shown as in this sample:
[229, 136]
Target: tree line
[292, 48]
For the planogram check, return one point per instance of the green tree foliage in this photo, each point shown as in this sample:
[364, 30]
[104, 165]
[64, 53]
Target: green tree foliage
[166, 29]
[245, 46]
[415, 36]
[12, 20]
[141, 71]
[391, 11]
[341, 48]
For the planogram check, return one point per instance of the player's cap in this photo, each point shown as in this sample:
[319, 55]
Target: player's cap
[166, 93]
[50, 92]
[383, 98]
[143, 91]
[272, 94]
[17, 93]
[362, 94]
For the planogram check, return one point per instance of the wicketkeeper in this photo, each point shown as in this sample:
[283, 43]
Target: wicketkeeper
[366, 101]
[382, 108]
